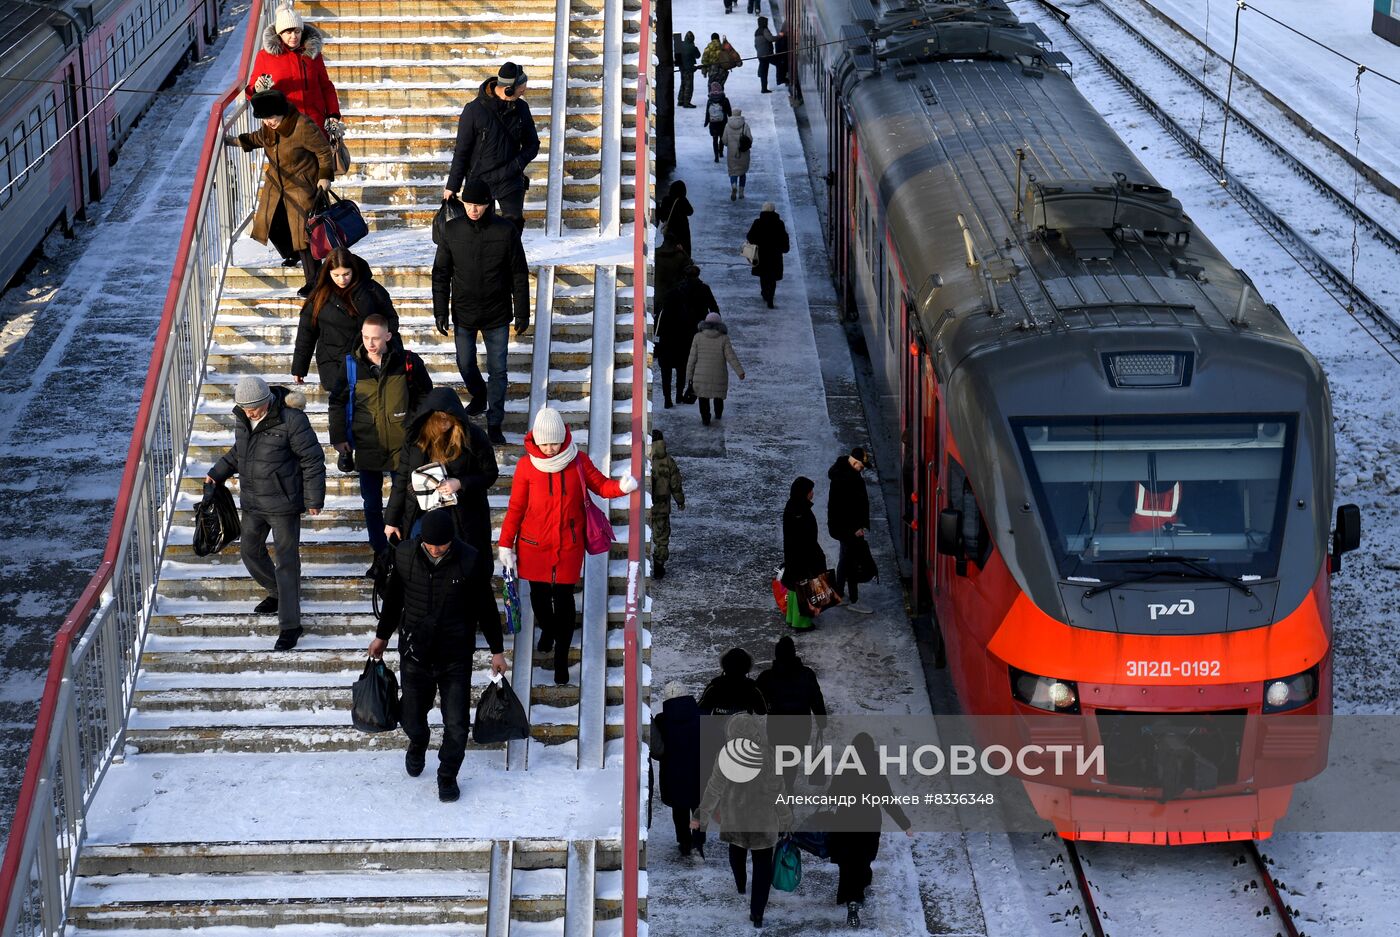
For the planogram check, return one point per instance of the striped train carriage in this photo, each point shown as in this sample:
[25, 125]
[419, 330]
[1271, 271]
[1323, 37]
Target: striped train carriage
[1118, 459]
[58, 61]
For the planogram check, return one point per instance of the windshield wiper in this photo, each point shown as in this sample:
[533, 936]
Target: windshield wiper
[1192, 563]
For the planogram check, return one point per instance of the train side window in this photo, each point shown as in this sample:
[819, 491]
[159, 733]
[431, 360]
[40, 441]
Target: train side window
[37, 144]
[51, 119]
[112, 58]
[141, 19]
[19, 149]
[5, 174]
[977, 544]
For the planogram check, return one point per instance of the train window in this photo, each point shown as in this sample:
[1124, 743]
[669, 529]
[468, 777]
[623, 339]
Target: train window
[1206, 486]
[977, 542]
[35, 137]
[5, 174]
[19, 155]
[141, 19]
[112, 58]
[51, 120]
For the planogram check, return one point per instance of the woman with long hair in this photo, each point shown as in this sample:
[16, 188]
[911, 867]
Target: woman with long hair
[802, 553]
[673, 214]
[545, 528]
[332, 316]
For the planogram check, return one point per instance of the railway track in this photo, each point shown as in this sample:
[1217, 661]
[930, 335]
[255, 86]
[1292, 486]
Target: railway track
[1227, 902]
[1354, 297]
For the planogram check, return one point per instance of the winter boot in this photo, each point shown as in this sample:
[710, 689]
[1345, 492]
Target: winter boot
[287, 639]
[493, 432]
[733, 192]
[267, 606]
[561, 675]
[477, 406]
[658, 570]
[741, 191]
[448, 791]
[414, 759]
[853, 913]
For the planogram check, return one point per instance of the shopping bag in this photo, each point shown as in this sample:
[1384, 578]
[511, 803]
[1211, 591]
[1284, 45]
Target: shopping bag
[817, 594]
[510, 593]
[787, 865]
[424, 481]
[750, 253]
[688, 396]
[598, 537]
[378, 573]
[499, 715]
[216, 523]
[813, 842]
[780, 592]
[375, 699]
[860, 561]
[452, 209]
[333, 222]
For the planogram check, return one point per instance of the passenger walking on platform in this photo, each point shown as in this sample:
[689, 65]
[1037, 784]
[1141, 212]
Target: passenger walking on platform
[709, 58]
[707, 369]
[673, 215]
[763, 39]
[438, 593]
[545, 526]
[755, 6]
[733, 691]
[282, 474]
[687, 58]
[298, 162]
[671, 262]
[441, 433]
[848, 520]
[752, 816]
[675, 744]
[496, 141]
[678, 317]
[370, 410]
[479, 275]
[738, 143]
[290, 61]
[780, 56]
[802, 553]
[345, 294]
[770, 236]
[665, 487]
[717, 111]
[790, 689]
[856, 845]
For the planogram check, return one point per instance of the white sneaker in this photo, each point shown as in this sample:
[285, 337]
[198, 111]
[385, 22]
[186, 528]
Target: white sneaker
[859, 609]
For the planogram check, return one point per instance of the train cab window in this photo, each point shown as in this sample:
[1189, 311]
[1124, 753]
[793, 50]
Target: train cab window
[1109, 489]
[6, 176]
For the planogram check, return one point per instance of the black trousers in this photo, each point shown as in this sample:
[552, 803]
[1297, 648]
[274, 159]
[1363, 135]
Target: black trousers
[762, 875]
[717, 142]
[686, 838]
[512, 206]
[767, 286]
[705, 409]
[844, 584]
[280, 234]
[555, 615]
[421, 683]
[853, 853]
[667, 369]
[763, 64]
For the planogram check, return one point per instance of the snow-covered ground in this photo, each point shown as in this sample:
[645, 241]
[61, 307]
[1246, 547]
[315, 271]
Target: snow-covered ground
[73, 358]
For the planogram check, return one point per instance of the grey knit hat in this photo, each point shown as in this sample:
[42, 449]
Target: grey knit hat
[251, 392]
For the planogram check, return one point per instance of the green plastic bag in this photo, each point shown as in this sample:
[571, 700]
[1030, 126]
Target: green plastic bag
[787, 865]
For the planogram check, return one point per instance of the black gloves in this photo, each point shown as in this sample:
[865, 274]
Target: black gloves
[522, 325]
[441, 322]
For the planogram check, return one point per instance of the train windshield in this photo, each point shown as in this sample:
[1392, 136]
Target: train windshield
[1208, 488]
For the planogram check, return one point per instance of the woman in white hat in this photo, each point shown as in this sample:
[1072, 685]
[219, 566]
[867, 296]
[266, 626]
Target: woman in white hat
[290, 61]
[545, 528]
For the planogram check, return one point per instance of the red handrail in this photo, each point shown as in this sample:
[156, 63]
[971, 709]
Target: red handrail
[87, 602]
[631, 757]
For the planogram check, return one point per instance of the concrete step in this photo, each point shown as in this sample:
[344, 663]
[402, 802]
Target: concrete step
[425, 192]
[350, 28]
[436, 148]
[238, 621]
[441, 121]
[585, 91]
[577, 278]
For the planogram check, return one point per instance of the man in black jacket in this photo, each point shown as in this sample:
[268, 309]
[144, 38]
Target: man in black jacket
[479, 274]
[681, 310]
[496, 140]
[283, 472]
[847, 519]
[370, 411]
[435, 598]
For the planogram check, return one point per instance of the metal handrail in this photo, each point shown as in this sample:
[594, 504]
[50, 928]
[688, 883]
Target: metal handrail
[81, 724]
[636, 578]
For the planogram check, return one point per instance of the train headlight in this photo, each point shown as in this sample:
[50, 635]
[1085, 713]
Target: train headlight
[1047, 693]
[1290, 692]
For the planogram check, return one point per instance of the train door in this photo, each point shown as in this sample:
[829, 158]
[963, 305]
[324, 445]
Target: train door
[68, 114]
[840, 163]
[911, 423]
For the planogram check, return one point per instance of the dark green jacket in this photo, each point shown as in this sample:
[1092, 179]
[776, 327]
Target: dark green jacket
[373, 414]
[665, 480]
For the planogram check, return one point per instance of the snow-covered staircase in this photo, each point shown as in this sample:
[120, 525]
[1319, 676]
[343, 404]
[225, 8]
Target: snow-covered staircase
[245, 799]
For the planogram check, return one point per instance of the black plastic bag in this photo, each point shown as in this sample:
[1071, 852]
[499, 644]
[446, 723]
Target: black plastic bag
[375, 706]
[379, 572]
[861, 562]
[216, 522]
[499, 715]
[452, 209]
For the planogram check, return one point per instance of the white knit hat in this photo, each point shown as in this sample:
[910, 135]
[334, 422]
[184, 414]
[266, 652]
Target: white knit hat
[287, 18]
[548, 428]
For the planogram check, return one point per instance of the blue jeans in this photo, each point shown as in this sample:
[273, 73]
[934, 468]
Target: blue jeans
[739, 180]
[372, 494]
[496, 341]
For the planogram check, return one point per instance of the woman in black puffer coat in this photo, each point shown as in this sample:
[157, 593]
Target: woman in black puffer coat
[345, 293]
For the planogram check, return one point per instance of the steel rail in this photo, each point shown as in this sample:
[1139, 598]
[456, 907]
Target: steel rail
[1090, 907]
[1282, 912]
[1321, 268]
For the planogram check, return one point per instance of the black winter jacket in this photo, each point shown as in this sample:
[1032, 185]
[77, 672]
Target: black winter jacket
[496, 140]
[475, 468]
[280, 461]
[367, 409]
[336, 332]
[791, 689]
[727, 695]
[437, 607]
[771, 236]
[802, 553]
[480, 273]
[848, 506]
[674, 212]
[675, 734]
[679, 314]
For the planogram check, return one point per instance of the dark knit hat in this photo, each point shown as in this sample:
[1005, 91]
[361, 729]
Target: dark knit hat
[271, 103]
[863, 456]
[736, 662]
[476, 192]
[437, 528]
[510, 75]
[785, 650]
[656, 435]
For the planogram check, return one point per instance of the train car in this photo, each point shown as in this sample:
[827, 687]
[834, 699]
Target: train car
[1118, 458]
[74, 78]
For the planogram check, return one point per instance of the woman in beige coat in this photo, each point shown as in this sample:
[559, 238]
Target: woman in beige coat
[707, 371]
[299, 161]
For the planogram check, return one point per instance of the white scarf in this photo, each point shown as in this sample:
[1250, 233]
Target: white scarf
[556, 463]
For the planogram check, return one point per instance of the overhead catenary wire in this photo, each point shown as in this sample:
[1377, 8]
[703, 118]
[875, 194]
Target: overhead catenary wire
[1229, 89]
[1317, 42]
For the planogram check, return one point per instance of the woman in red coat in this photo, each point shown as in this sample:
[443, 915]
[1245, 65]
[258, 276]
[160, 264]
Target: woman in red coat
[545, 523]
[290, 58]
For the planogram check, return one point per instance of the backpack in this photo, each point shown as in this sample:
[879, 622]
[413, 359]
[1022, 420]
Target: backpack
[715, 113]
[216, 523]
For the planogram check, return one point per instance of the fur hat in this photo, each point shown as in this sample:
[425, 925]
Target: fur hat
[252, 391]
[269, 104]
[548, 427]
[437, 528]
[287, 18]
[476, 192]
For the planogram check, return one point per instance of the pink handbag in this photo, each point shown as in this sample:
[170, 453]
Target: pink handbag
[599, 535]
